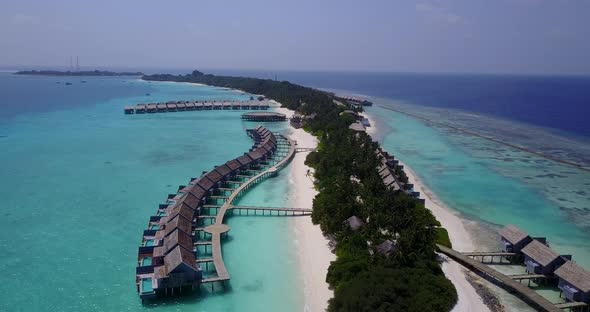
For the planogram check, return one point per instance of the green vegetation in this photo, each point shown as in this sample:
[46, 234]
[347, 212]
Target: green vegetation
[364, 277]
[442, 237]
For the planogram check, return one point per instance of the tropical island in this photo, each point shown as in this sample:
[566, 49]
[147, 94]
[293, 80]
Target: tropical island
[84, 73]
[385, 239]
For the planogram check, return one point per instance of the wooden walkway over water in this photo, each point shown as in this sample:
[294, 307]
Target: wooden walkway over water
[182, 106]
[507, 282]
[218, 228]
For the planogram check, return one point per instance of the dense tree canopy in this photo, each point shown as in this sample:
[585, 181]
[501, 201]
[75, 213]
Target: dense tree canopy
[408, 277]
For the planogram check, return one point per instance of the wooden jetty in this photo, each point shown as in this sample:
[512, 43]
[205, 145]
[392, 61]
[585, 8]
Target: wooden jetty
[168, 259]
[507, 282]
[264, 116]
[183, 106]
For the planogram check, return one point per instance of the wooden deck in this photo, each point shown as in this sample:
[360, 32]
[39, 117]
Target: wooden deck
[222, 274]
[571, 305]
[286, 211]
[526, 294]
[520, 277]
[486, 253]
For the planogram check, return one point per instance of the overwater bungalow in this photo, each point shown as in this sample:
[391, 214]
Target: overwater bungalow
[205, 184]
[574, 281]
[183, 210]
[180, 270]
[234, 164]
[256, 155]
[245, 160]
[152, 108]
[129, 110]
[162, 108]
[224, 171]
[171, 107]
[180, 106]
[179, 222]
[176, 238]
[194, 197]
[513, 238]
[540, 259]
[140, 108]
[190, 106]
[264, 116]
[214, 176]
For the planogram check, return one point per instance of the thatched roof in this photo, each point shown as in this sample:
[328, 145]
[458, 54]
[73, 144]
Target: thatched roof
[540, 253]
[575, 275]
[244, 160]
[180, 223]
[354, 222]
[177, 238]
[513, 234]
[233, 164]
[180, 259]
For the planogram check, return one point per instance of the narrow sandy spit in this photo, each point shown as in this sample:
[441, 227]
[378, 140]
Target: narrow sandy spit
[312, 247]
[469, 299]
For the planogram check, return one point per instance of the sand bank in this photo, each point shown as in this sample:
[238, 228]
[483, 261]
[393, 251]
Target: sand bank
[312, 247]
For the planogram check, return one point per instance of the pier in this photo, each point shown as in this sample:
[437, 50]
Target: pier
[264, 116]
[169, 257]
[507, 282]
[542, 266]
[183, 106]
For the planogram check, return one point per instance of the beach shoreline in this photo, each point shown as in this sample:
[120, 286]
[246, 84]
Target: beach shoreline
[313, 251]
[461, 238]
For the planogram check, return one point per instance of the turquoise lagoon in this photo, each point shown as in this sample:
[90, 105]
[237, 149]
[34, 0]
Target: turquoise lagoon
[491, 185]
[80, 180]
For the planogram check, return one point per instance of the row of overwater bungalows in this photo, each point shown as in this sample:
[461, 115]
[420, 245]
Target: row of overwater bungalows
[391, 171]
[176, 106]
[167, 256]
[539, 258]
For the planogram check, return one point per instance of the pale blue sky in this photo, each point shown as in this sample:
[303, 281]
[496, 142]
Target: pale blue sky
[514, 36]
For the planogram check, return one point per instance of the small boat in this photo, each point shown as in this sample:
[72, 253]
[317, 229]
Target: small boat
[68, 83]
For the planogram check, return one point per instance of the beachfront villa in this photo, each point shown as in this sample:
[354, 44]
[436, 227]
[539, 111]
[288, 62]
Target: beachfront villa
[574, 282]
[540, 259]
[354, 223]
[513, 238]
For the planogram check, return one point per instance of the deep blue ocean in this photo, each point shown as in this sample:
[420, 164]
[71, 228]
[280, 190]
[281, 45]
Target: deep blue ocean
[561, 102]
[79, 179]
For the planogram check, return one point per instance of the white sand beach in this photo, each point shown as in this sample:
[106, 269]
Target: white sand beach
[469, 299]
[313, 250]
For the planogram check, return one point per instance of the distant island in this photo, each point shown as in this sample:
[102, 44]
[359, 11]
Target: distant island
[76, 73]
